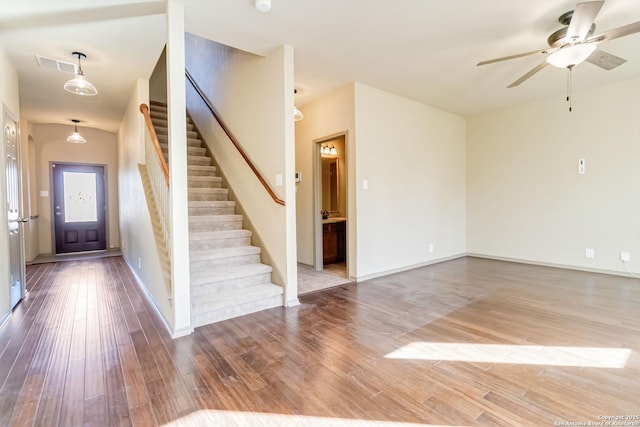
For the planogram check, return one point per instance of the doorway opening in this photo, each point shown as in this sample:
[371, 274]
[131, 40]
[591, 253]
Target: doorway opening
[330, 267]
[79, 207]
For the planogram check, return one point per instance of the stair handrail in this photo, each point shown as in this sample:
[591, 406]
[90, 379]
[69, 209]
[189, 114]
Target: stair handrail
[234, 141]
[144, 109]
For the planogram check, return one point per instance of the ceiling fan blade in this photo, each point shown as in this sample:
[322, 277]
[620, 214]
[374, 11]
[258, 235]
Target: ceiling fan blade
[529, 74]
[625, 30]
[519, 55]
[583, 16]
[605, 60]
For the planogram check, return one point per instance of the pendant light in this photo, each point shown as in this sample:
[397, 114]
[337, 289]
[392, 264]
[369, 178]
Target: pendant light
[75, 137]
[79, 84]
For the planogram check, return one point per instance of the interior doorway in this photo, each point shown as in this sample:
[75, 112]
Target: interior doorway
[330, 201]
[79, 207]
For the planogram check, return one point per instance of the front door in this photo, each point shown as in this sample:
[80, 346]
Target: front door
[16, 261]
[79, 207]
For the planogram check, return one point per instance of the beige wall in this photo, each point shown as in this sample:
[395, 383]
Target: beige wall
[51, 146]
[413, 157]
[260, 115]
[138, 243]
[526, 200]
[327, 116]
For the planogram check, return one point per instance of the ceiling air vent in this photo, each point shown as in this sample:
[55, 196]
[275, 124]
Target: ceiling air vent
[56, 65]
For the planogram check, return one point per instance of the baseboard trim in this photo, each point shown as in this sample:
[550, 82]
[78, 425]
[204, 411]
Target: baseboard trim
[407, 267]
[292, 302]
[174, 334]
[553, 265]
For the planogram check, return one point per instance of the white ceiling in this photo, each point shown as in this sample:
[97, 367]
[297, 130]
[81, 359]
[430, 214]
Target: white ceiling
[421, 49]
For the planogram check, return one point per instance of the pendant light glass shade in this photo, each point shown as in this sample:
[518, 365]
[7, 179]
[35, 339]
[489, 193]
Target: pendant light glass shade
[75, 137]
[79, 84]
[297, 114]
[571, 55]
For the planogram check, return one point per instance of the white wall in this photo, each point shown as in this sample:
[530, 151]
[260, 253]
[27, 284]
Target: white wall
[413, 157]
[324, 117]
[9, 101]
[138, 242]
[51, 146]
[254, 96]
[526, 200]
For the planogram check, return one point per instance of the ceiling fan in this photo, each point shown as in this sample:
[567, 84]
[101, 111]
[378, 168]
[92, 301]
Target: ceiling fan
[575, 43]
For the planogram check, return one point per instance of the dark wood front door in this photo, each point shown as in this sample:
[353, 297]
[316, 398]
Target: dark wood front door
[79, 207]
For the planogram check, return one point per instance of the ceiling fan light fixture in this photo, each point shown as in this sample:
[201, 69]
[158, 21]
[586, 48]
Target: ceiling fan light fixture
[79, 85]
[75, 137]
[571, 55]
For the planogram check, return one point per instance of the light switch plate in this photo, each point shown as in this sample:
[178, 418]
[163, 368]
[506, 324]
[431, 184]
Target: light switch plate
[589, 253]
[279, 180]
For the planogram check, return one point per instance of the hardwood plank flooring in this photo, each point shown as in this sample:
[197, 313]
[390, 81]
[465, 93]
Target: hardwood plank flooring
[465, 342]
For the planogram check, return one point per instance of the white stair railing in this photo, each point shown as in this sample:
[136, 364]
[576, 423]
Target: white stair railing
[158, 175]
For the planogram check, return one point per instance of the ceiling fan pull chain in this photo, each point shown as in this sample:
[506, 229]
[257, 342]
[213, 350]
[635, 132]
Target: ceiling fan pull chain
[569, 100]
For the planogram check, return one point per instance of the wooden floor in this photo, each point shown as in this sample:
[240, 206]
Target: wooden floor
[465, 342]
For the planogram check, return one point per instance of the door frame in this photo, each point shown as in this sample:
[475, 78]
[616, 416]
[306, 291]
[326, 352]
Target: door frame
[23, 291]
[318, 262]
[52, 202]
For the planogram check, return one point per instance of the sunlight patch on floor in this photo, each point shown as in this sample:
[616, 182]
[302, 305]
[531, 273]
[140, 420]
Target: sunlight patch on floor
[206, 418]
[593, 357]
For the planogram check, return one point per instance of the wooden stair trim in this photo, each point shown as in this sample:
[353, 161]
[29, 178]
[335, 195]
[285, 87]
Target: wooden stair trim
[144, 109]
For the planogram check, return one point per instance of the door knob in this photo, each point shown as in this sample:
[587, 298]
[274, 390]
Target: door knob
[23, 219]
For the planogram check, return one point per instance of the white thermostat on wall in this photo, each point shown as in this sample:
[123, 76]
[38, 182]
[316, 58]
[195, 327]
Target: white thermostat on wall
[298, 176]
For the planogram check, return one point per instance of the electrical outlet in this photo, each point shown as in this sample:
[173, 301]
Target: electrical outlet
[625, 256]
[589, 253]
[430, 247]
[139, 263]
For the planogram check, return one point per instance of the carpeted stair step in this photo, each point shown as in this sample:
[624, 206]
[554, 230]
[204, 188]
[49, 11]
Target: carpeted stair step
[198, 160]
[201, 170]
[218, 307]
[223, 257]
[204, 182]
[222, 279]
[206, 240]
[212, 207]
[215, 222]
[203, 194]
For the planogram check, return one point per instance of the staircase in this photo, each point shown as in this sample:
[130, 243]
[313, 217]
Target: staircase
[227, 278]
